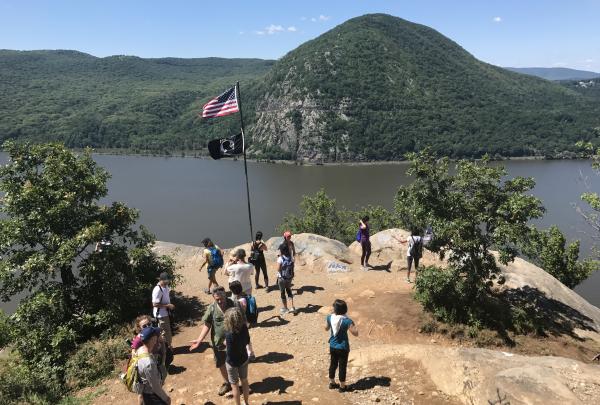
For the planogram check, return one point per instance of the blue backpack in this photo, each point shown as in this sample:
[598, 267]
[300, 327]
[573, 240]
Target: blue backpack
[251, 309]
[216, 258]
[359, 235]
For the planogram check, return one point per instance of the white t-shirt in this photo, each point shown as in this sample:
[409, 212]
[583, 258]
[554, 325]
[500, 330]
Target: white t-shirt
[411, 242]
[160, 295]
[241, 272]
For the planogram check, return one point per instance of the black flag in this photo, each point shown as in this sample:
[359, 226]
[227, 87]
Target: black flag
[226, 147]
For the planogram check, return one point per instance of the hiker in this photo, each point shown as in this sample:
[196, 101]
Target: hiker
[149, 374]
[213, 259]
[285, 275]
[414, 251]
[287, 239]
[240, 300]
[339, 346]
[212, 321]
[162, 307]
[238, 269]
[237, 338]
[257, 257]
[365, 243]
[142, 322]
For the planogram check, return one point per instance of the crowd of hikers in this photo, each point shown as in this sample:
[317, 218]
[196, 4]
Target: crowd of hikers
[231, 314]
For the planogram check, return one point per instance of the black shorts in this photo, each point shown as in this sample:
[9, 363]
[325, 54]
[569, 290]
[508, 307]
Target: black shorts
[220, 356]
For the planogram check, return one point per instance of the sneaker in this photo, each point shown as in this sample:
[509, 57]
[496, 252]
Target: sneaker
[333, 386]
[258, 286]
[251, 357]
[365, 268]
[225, 388]
[293, 310]
[206, 291]
[283, 310]
[343, 389]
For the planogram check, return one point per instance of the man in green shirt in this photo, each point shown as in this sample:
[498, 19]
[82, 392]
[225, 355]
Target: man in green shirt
[212, 322]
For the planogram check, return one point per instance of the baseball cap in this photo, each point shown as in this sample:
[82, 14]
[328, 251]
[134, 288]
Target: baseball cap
[164, 276]
[147, 333]
[287, 234]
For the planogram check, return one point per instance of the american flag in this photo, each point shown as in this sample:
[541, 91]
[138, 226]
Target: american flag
[221, 106]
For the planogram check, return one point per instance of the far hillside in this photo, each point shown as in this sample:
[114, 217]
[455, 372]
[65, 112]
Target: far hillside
[556, 73]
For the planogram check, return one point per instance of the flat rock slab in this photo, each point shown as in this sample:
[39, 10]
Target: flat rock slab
[481, 376]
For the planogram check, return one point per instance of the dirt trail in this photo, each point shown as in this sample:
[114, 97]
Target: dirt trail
[292, 350]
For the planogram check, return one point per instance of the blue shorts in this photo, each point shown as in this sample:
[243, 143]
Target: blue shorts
[211, 271]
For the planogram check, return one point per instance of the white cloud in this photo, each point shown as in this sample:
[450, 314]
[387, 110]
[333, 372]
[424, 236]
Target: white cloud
[313, 19]
[497, 19]
[273, 29]
[589, 60]
[323, 17]
[259, 32]
[291, 28]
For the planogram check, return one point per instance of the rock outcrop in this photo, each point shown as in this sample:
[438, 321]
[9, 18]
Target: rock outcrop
[477, 376]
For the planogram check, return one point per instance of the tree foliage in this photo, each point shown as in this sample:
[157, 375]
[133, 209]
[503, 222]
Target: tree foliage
[51, 223]
[472, 210]
[320, 214]
[549, 250]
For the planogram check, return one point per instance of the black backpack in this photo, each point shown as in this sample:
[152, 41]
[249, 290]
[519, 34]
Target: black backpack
[416, 250]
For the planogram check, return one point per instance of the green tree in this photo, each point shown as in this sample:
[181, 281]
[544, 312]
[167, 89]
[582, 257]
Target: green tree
[51, 223]
[549, 250]
[472, 210]
[319, 214]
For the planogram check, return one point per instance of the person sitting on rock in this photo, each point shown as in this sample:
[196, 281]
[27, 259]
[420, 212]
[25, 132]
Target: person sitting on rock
[339, 346]
[212, 321]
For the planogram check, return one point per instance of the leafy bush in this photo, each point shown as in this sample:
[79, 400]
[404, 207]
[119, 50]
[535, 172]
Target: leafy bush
[93, 361]
[20, 384]
[320, 215]
[549, 250]
[441, 292]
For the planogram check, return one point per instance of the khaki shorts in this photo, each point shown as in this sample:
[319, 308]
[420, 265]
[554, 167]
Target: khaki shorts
[234, 374]
[164, 323]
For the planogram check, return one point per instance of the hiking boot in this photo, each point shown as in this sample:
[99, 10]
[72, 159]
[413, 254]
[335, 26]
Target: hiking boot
[333, 386]
[225, 388]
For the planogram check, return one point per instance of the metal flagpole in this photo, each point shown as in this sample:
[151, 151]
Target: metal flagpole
[239, 101]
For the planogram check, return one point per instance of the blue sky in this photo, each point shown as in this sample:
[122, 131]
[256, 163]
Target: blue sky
[506, 33]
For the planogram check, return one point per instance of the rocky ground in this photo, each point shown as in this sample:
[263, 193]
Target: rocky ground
[391, 362]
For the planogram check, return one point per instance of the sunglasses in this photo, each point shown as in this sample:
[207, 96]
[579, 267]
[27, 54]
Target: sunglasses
[147, 325]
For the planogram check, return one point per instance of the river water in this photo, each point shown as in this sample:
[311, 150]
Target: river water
[183, 200]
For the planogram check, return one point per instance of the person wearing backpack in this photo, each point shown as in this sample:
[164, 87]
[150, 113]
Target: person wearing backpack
[285, 275]
[162, 307]
[244, 303]
[148, 371]
[213, 259]
[339, 346]
[414, 251]
[365, 243]
[257, 258]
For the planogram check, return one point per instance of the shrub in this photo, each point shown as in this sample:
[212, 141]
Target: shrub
[93, 361]
[320, 215]
[20, 384]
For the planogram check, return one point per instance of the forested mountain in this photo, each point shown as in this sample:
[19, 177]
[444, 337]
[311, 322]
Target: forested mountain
[372, 88]
[113, 102]
[378, 86]
[556, 73]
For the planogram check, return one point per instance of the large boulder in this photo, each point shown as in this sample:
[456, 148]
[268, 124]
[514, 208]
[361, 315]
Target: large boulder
[386, 248]
[476, 376]
[536, 284]
[311, 247]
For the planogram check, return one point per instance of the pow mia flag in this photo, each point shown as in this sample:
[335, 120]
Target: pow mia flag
[226, 147]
